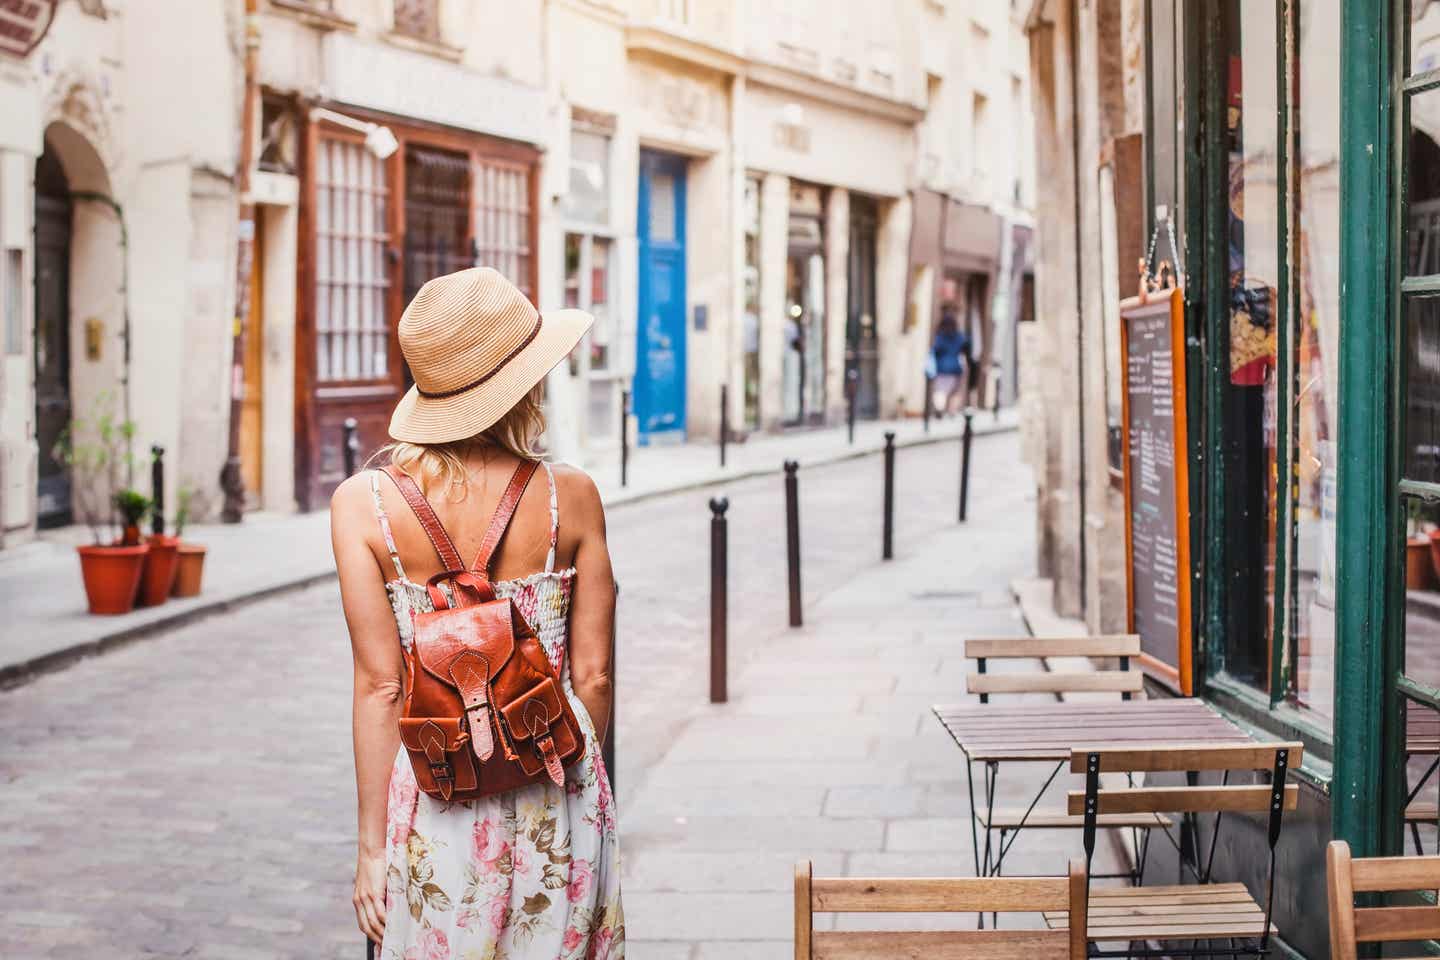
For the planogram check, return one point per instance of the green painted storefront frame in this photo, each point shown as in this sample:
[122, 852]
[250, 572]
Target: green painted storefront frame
[1366, 784]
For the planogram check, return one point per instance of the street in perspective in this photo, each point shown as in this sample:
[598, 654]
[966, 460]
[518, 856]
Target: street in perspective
[945, 479]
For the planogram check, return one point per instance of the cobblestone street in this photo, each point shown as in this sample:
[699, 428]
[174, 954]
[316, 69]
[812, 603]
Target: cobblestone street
[191, 795]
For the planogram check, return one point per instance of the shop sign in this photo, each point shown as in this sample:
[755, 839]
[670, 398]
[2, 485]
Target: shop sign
[23, 24]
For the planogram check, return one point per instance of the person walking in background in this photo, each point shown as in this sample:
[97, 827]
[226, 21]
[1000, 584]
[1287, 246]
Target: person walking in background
[948, 353]
[526, 873]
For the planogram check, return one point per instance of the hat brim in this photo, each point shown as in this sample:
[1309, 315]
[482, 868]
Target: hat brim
[419, 419]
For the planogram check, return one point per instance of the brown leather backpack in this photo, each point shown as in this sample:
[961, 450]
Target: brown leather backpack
[484, 711]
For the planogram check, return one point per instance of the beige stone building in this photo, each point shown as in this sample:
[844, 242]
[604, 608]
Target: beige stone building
[117, 234]
[778, 199]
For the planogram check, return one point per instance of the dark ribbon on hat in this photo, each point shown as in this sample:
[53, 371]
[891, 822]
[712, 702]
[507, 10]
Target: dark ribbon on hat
[444, 394]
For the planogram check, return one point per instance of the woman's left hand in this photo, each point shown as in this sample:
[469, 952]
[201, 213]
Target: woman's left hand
[369, 897]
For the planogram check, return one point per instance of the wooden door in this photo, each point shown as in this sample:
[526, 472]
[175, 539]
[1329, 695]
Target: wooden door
[349, 356]
[252, 443]
[52, 337]
[660, 369]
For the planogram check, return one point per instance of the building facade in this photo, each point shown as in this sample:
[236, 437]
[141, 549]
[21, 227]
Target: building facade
[765, 205]
[1291, 146]
[117, 233]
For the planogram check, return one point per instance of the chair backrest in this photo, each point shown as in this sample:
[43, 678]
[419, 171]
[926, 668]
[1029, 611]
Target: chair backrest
[1272, 798]
[940, 895]
[1350, 925]
[1123, 681]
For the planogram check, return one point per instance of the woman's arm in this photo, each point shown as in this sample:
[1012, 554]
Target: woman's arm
[592, 609]
[378, 685]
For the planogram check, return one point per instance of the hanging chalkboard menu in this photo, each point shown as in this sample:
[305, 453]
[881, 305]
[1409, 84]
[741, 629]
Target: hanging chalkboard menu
[1157, 498]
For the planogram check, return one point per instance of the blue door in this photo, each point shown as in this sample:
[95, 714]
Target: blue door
[660, 335]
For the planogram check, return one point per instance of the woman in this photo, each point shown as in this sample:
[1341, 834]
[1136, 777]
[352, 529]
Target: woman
[533, 872]
[948, 353]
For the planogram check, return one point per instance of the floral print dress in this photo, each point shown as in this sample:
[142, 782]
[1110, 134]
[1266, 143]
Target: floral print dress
[523, 875]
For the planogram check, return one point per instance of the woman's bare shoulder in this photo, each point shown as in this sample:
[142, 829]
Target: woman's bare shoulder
[580, 503]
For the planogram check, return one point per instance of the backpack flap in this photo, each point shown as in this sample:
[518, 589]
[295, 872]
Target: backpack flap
[488, 629]
[542, 730]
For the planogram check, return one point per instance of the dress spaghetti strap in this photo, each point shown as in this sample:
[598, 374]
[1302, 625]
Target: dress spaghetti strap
[554, 518]
[385, 530]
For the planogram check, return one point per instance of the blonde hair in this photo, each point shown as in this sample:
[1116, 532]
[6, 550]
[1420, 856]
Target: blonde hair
[517, 432]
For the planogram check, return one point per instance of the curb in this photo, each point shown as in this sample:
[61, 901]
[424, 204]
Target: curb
[18, 674]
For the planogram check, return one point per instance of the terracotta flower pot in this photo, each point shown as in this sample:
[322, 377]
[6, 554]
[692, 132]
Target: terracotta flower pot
[159, 576]
[189, 565]
[1419, 568]
[112, 576]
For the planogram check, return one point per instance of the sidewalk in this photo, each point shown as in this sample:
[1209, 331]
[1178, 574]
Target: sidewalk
[828, 750]
[40, 589]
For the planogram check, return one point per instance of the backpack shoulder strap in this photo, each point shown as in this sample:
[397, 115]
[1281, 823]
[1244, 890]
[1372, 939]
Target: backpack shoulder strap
[504, 512]
[439, 539]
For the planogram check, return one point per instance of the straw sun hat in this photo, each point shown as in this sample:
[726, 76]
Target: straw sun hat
[475, 347]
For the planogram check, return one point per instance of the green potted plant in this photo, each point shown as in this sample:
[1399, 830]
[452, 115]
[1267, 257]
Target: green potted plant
[190, 557]
[95, 450]
[133, 507]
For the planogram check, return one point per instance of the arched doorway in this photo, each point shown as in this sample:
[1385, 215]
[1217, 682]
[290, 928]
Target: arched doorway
[53, 407]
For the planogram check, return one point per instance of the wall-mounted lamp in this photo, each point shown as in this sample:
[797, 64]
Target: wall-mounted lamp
[379, 140]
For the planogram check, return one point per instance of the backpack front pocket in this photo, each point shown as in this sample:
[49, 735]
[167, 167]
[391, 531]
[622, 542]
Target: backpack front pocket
[438, 751]
[544, 735]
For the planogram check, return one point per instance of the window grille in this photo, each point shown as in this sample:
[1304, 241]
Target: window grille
[501, 194]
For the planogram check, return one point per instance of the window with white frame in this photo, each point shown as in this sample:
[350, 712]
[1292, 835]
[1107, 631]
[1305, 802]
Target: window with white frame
[590, 278]
[352, 273]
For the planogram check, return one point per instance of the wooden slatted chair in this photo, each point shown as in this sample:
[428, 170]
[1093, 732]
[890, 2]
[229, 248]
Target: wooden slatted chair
[813, 895]
[1124, 681]
[1351, 925]
[1202, 912]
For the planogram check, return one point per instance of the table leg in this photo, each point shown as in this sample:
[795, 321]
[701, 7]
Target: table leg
[974, 831]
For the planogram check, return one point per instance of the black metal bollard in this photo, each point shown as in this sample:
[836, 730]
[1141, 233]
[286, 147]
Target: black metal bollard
[929, 399]
[792, 538]
[995, 400]
[850, 391]
[719, 589]
[724, 420]
[624, 437]
[157, 489]
[352, 445]
[887, 546]
[965, 438]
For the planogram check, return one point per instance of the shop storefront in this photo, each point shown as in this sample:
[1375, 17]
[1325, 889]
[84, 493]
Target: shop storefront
[827, 231]
[956, 252]
[1304, 218]
[1316, 403]
[373, 231]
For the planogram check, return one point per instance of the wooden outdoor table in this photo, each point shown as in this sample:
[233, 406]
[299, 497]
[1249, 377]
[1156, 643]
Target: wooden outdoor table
[1047, 732]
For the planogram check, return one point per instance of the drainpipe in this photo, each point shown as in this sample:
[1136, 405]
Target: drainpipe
[1079, 282]
[231, 481]
[90, 196]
